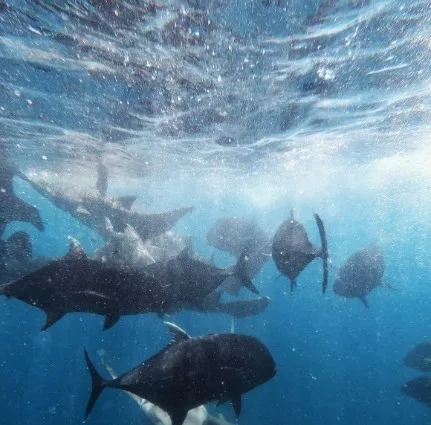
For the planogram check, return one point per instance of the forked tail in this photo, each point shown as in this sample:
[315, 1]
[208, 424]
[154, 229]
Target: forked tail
[324, 253]
[97, 385]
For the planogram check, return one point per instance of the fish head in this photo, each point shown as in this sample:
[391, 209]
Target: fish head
[259, 365]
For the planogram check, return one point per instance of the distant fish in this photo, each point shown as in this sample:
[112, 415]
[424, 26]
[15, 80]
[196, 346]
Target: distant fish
[236, 236]
[13, 208]
[91, 207]
[419, 389]
[17, 257]
[190, 372]
[292, 251]
[361, 273]
[419, 357]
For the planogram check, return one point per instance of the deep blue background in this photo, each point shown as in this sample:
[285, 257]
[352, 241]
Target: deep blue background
[337, 361]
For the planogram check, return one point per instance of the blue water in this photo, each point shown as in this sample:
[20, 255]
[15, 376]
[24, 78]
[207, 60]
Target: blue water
[329, 117]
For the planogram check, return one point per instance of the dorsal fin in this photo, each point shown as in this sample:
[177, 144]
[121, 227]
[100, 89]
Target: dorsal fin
[126, 201]
[178, 334]
[108, 226]
[76, 251]
[292, 212]
[102, 179]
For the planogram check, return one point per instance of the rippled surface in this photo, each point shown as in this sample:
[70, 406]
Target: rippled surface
[212, 87]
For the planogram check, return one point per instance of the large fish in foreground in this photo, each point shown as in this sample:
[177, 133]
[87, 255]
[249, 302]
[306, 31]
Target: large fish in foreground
[419, 357]
[74, 283]
[292, 251]
[13, 208]
[419, 389]
[92, 206]
[197, 416]
[361, 273]
[190, 372]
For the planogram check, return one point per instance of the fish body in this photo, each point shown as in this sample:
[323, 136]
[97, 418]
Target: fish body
[360, 274]
[190, 372]
[292, 251]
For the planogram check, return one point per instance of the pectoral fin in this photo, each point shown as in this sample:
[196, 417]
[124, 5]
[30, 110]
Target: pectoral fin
[51, 318]
[110, 320]
[364, 301]
[236, 403]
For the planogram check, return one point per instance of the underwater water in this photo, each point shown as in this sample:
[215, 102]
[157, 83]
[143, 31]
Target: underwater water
[237, 108]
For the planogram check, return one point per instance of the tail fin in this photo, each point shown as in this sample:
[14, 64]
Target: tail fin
[240, 273]
[324, 253]
[97, 385]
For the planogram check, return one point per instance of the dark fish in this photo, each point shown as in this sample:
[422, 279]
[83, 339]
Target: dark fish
[190, 372]
[17, 257]
[74, 283]
[13, 208]
[419, 357]
[361, 273]
[91, 208]
[292, 250]
[192, 280]
[419, 389]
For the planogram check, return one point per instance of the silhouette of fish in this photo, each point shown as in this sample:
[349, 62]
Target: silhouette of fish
[190, 372]
[236, 236]
[91, 207]
[197, 416]
[13, 208]
[17, 257]
[419, 357]
[74, 283]
[292, 251]
[362, 272]
[192, 280]
[419, 389]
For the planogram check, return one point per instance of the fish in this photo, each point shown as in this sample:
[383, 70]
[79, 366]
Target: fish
[236, 308]
[197, 416]
[190, 372]
[292, 251]
[194, 279]
[419, 388]
[123, 248]
[128, 248]
[17, 257]
[419, 357]
[190, 278]
[361, 273]
[236, 236]
[92, 206]
[75, 283]
[13, 208]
